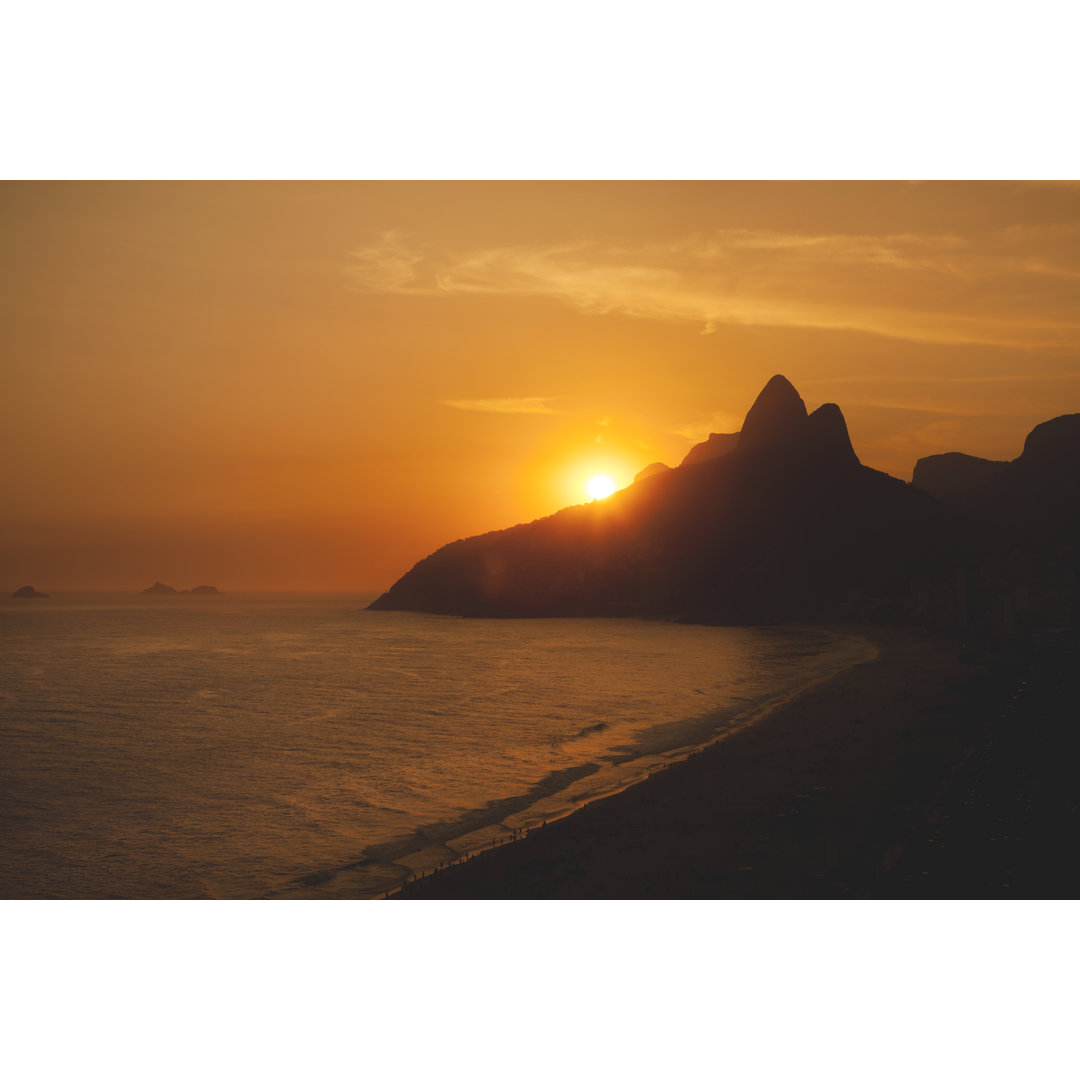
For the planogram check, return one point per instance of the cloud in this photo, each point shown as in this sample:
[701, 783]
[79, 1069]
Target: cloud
[538, 405]
[387, 265]
[1012, 287]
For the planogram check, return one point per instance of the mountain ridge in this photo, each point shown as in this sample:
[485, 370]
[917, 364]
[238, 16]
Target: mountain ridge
[785, 524]
[1034, 496]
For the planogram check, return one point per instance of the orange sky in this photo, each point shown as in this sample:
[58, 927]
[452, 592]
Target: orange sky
[311, 386]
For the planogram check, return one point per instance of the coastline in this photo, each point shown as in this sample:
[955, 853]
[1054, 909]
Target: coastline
[509, 821]
[821, 795]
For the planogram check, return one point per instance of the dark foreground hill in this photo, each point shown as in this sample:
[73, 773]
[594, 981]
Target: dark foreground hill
[784, 523]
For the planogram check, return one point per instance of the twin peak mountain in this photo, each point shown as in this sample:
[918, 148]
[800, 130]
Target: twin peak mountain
[778, 421]
[780, 520]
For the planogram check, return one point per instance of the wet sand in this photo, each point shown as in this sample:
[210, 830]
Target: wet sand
[833, 794]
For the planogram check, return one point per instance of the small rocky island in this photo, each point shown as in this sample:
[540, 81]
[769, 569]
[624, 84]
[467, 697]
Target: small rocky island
[160, 589]
[28, 592]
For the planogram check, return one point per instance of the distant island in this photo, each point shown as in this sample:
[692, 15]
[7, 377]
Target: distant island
[781, 521]
[160, 589]
[28, 592]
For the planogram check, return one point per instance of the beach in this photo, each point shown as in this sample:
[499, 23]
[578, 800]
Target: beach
[842, 792]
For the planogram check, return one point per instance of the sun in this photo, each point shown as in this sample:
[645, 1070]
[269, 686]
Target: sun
[600, 486]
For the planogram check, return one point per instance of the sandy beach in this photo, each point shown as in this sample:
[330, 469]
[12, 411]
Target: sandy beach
[842, 792]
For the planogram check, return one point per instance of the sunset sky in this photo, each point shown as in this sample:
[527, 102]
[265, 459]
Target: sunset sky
[312, 386]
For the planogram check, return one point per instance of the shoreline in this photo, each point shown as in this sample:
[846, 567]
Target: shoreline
[648, 765]
[495, 830]
[660, 762]
[822, 795]
[509, 821]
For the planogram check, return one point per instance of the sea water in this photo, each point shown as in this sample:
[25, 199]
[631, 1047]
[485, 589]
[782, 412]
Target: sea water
[285, 745]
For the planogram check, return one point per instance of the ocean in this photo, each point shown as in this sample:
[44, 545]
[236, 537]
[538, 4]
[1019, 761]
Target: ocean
[295, 746]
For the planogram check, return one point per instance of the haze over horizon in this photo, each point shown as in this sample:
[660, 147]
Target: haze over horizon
[312, 386]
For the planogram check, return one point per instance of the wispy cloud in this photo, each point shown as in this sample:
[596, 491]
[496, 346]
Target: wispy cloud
[505, 405]
[387, 265]
[1015, 287]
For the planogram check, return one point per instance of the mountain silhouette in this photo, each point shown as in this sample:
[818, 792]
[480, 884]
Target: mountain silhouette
[717, 445]
[159, 589]
[1035, 497]
[28, 592]
[776, 420]
[652, 470]
[785, 523]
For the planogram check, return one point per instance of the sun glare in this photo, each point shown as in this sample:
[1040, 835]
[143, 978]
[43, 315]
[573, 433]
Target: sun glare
[600, 486]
